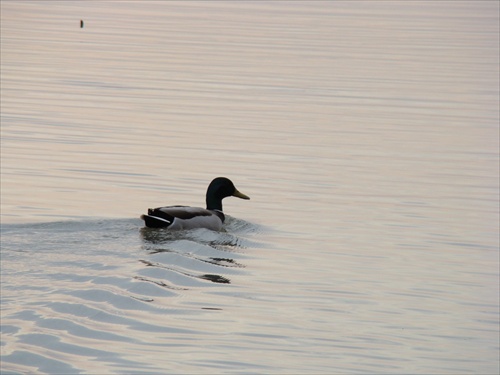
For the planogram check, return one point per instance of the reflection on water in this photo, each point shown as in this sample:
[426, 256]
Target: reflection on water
[365, 132]
[199, 245]
[213, 278]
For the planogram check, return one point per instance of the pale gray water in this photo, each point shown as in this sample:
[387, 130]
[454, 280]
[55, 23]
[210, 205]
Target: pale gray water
[366, 134]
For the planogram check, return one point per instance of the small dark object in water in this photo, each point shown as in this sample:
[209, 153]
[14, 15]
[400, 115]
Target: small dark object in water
[81, 24]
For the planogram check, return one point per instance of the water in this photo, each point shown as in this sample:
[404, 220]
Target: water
[365, 133]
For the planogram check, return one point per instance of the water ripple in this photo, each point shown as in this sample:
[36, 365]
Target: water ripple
[95, 281]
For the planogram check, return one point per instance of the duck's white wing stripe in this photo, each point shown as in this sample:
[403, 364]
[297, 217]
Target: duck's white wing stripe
[159, 218]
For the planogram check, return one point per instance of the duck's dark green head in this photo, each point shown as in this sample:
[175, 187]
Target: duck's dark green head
[220, 188]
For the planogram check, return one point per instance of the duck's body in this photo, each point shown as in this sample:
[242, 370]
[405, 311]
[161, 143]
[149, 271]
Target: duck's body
[185, 217]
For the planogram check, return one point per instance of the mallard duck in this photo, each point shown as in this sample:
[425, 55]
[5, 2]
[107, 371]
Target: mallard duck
[185, 217]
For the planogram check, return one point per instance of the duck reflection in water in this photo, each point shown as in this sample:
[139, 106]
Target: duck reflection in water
[175, 242]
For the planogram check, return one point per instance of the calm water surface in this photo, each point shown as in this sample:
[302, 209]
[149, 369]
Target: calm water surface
[366, 134]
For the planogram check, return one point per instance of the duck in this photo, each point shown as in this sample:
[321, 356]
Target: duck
[186, 217]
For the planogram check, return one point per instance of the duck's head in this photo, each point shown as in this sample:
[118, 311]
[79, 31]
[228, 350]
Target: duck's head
[220, 188]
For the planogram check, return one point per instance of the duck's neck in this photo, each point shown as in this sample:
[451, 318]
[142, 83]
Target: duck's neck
[213, 203]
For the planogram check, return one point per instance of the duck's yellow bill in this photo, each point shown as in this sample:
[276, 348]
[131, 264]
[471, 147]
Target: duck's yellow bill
[240, 195]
